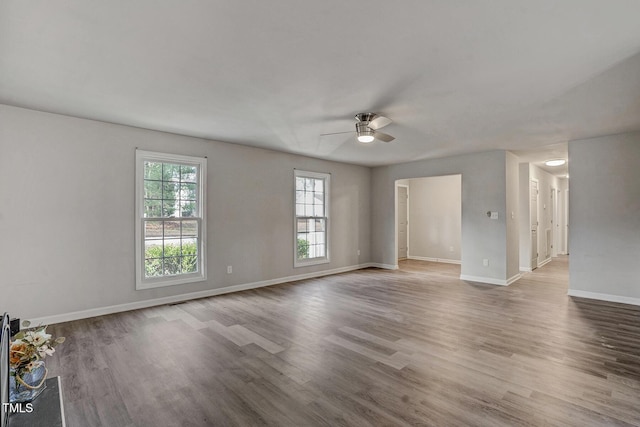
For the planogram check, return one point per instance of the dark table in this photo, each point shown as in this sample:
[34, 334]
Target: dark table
[48, 409]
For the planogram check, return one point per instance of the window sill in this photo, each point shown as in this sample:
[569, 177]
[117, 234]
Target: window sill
[310, 262]
[169, 281]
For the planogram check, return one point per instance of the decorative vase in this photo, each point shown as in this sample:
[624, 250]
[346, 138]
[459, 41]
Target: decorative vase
[25, 387]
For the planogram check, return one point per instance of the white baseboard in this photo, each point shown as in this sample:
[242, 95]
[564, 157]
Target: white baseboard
[545, 262]
[488, 280]
[603, 297]
[526, 269]
[101, 311]
[491, 280]
[443, 260]
[385, 266]
[514, 278]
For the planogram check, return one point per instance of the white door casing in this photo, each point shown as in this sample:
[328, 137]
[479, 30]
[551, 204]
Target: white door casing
[533, 193]
[403, 196]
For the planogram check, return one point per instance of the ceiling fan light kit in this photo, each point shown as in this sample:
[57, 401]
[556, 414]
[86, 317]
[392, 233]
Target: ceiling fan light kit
[365, 134]
[367, 128]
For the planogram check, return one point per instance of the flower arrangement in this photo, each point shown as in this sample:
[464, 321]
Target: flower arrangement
[29, 347]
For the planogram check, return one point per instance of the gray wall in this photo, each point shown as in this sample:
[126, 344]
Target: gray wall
[483, 189]
[435, 217]
[67, 212]
[604, 217]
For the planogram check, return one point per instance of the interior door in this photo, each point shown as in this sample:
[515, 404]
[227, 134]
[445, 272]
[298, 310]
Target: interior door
[534, 223]
[402, 222]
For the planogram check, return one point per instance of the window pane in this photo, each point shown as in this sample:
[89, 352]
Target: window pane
[189, 246]
[319, 186]
[153, 249]
[153, 267]
[168, 208]
[170, 190]
[319, 225]
[171, 229]
[308, 198]
[189, 264]
[189, 229]
[153, 230]
[302, 246]
[308, 210]
[308, 184]
[188, 173]
[188, 191]
[171, 247]
[152, 189]
[170, 172]
[153, 170]
[299, 183]
[172, 265]
[152, 208]
[187, 209]
[318, 210]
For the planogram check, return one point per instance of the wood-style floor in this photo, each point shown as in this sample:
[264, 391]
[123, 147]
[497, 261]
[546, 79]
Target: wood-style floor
[372, 347]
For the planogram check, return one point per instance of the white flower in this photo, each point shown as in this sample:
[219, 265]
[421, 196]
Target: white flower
[45, 351]
[41, 338]
[29, 336]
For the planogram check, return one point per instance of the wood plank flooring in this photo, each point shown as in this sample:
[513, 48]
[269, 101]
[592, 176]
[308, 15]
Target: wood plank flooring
[410, 347]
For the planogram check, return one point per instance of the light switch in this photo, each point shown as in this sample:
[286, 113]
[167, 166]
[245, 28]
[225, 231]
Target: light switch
[494, 215]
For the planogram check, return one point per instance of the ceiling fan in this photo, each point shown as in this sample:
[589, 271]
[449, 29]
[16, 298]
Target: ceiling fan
[367, 125]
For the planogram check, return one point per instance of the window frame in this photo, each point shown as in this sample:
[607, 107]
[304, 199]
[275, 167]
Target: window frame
[327, 192]
[143, 282]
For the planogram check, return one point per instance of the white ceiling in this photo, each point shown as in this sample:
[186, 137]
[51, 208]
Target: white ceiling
[456, 76]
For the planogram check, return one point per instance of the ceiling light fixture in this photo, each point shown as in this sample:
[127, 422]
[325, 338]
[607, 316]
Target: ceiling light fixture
[365, 134]
[555, 162]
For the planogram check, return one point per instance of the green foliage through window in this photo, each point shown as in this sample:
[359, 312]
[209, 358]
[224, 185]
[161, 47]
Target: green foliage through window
[303, 249]
[176, 259]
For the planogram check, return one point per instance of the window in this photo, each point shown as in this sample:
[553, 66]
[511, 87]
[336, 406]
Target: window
[311, 218]
[170, 203]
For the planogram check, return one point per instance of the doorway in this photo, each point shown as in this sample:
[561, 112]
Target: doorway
[431, 229]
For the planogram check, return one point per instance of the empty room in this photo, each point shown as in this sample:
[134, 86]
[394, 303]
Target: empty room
[320, 213]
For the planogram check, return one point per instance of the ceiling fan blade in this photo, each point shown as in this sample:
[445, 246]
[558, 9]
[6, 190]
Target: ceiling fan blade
[336, 133]
[378, 122]
[383, 137]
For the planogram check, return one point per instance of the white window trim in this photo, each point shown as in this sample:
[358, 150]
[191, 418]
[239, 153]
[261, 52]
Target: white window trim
[157, 282]
[312, 261]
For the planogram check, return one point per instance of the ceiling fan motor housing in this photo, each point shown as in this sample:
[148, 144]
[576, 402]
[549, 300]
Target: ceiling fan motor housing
[365, 117]
[362, 129]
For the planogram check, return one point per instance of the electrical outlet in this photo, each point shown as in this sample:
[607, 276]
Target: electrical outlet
[229, 269]
[451, 249]
[485, 262]
[358, 252]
